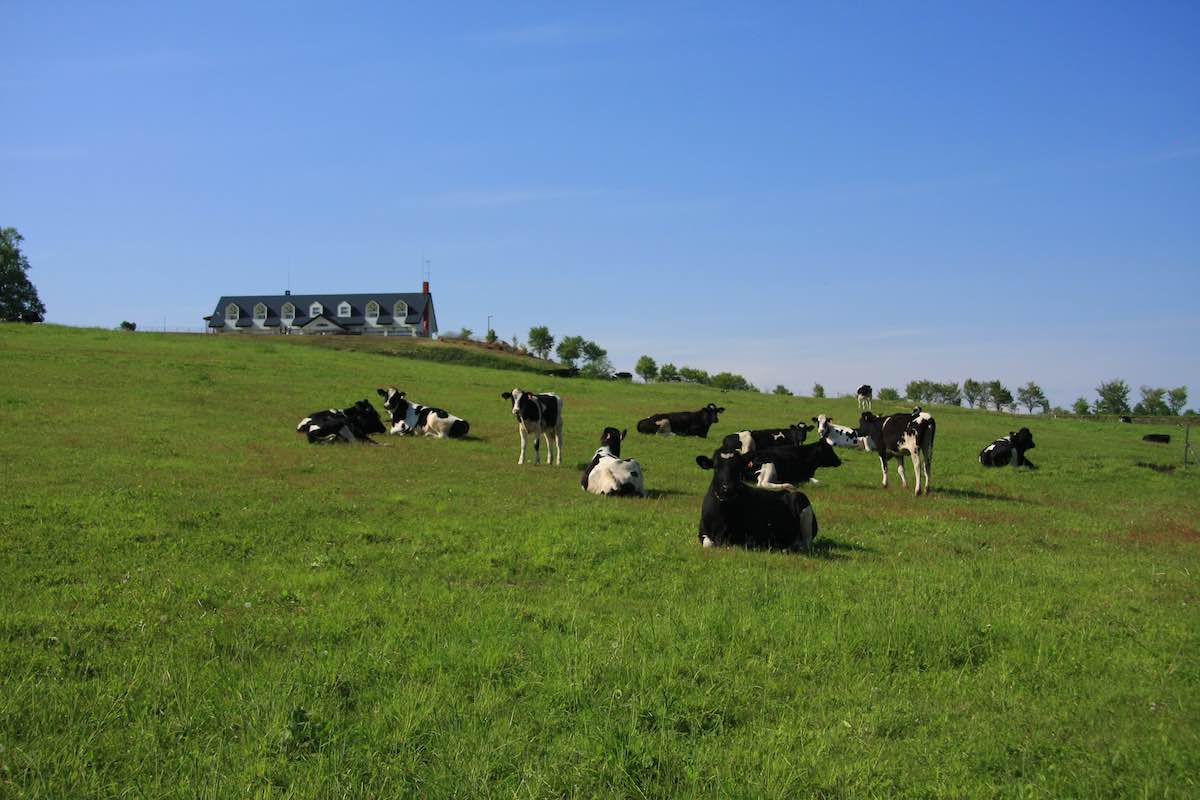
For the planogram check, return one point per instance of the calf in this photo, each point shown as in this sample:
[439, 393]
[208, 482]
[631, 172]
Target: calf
[538, 415]
[353, 424]
[838, 435]
[413, 418]
[900, 435]
[608, 473]
[863, 393]
[736, 514]
[682, 423]
[783, 468]
[1009, 449]
[746, 441]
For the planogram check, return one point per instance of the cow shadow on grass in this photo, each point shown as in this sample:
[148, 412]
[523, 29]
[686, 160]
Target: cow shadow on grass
[833, 550]
[654, 494]
[975, 494]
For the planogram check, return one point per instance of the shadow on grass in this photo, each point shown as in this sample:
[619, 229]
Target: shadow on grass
[654, 494]
[833, 550]
[975, 494]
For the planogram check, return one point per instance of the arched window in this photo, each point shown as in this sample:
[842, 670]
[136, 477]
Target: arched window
[400, 311]
[372, 309]
[260, 311]
[289, 311]
[231, 311]
[344, 309]
[315, 310]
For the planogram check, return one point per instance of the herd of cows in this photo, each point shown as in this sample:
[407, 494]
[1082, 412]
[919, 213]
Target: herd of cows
[753, 498]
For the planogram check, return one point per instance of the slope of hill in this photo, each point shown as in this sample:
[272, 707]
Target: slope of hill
[198, 603]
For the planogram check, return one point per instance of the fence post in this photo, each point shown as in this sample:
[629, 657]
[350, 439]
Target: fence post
[1187, 443]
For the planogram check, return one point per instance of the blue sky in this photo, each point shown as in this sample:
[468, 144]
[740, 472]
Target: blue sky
[794, 192]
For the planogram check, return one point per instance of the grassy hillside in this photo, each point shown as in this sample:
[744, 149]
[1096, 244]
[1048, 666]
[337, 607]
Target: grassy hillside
[198, 604]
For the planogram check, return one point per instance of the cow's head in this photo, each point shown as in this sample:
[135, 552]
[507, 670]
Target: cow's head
[727, 470]
[822, 422]
[826, 455]
[712, 410]
[365, 418]
[1022, 440]
[393, 401]
[515, 396]
[800, 432]
[611, 438]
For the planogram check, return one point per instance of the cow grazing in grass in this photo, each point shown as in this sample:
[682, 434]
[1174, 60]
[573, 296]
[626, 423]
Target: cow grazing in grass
[1009, 449]
[746, 441]
[538, 415]
[899, 435]
[608, 473]
[736, 514]
[863, 393]
[838, 435]
[682, 423]
[781, 469]
[415, 419]
[353, 424]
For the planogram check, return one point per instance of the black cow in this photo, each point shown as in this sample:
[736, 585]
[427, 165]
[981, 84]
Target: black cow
[784, 468]
[353, 424]
[682, 423]
[1126, 419]
[736, 514]
[1157, 438]
[1009, 449]
[538, 415]
[413, 418]
[608, 473]
[863, 393]
[746, 441]
[900, 435]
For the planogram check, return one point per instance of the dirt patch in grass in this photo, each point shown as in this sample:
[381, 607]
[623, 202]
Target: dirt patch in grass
[1167, 531]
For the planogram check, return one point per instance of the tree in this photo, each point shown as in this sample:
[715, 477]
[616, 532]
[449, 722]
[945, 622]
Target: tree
[1177, 399]
[126, 325]
[1031, 395]
[973, 390]
[466, 333]
[18, 298]
[997, 394]
[540, 341]
[569, 349]
[646, 369]
[1153, 402]
[693, 375]
[1081, 407]
[596, 361]
[732, 382]
[667, 373]
[818, 391]
[780, 389]
[491, 336]
[917, 391]
[947, 393]
[1114, 397]
[889, 393]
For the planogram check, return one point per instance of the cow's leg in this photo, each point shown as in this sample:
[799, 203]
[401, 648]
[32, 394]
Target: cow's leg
[900, 471]
[917, 467]
[537, 447]
[521, 430]
[806, 528]
[883, 466]
[927, 464]
[558, 445]
[766, 480]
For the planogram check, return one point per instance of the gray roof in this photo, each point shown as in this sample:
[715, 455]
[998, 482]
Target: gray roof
[416, 301]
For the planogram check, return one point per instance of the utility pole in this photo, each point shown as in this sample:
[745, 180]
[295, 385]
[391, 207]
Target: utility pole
[489, 325]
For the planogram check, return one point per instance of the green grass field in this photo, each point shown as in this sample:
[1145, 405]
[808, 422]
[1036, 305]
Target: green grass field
[196, 603]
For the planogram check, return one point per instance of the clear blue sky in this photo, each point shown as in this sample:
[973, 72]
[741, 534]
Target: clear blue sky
[840, 193]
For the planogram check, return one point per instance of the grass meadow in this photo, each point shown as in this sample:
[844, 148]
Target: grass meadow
[198, 604]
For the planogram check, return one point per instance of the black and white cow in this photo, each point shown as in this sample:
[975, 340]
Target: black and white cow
[1009, 449]
[899, 435]
[838, 435]
[538, 415]
[863, 393]
[353, 424]
[415, 419]
[682, 423]
[746, 441]
[736, 514]
[784, 468]
[608, 473]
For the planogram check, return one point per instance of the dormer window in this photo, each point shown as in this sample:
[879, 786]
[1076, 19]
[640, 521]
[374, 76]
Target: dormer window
[315, 310]
[289, 311]
[400, 311]
[344, 309]
[260, 311]
[232, 312]
[372, 309]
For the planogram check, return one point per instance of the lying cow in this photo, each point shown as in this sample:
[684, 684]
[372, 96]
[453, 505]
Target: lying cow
[353, 424]
[538, 415]
[863, 393]
[736, 514]
[780, 469]
[682, 423]
[899, 435]
[1009, 449]
[415, 419]
[746, 441]
[838, 435]
[1157, 438]
[608, 473]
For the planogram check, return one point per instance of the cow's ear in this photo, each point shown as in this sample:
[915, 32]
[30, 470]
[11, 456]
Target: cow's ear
[506, 395]
[704, 462]
[623, 434]
[814, 419]
[382, 392]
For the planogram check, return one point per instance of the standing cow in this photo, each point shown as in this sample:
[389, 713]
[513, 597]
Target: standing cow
[608, 473]
[901, 435]
[413, 418]
[863, 393]
[538, 415]
[838, 435]
[1009, 449]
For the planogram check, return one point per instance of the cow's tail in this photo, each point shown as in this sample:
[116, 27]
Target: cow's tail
[459, 428]
[647, 425]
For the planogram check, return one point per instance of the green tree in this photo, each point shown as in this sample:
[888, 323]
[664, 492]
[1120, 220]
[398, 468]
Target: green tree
[1082, 407]
[999, 396]
[1031, 395]
[947, 393]
[667, 373]
[466, 333]
[693, 375]
[18, 297]
[1113, 397]
[570, 349]
[540, 341]
[973, 390]
[732, 382]
[596, 363]
[889, 393]
[491, 336]
[646, 369]
[1153, 402]
[782, 390]
[818, 391]
[918, 391]
[1177, 399]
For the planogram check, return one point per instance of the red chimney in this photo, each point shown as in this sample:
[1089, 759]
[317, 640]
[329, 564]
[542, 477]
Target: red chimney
[424, 287]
